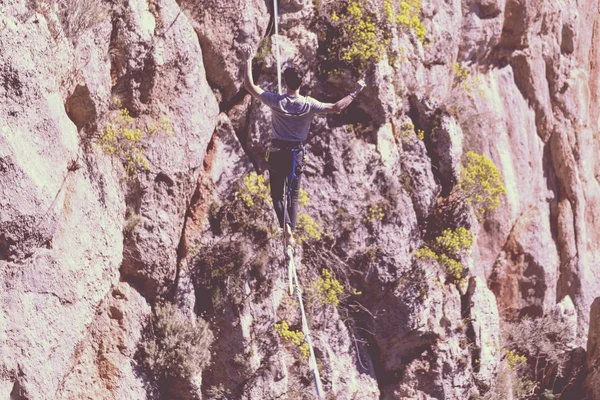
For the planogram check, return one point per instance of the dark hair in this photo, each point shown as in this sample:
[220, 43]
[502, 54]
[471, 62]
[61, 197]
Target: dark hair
[293, 79]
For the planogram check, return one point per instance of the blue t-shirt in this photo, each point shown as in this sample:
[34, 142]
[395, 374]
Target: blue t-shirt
[291, 116]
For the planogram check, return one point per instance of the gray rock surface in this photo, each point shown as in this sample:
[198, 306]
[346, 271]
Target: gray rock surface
[84, 251]
[592, 383]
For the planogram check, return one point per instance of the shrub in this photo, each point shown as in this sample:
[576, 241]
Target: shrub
[326, 289]
[253, 190]
[307, 229]
[374, 213]
[469, 83]
[536, 350]
[264, 50]
[303, 198]
[172, 346]
[76, 17]
[248, 211]
[215, 265]
[361, 37]
[407, 16]
[123, 138]
[448, 249]
[360, 42]
[295, 337]
[514, 360]
[480, 184]
[406, 131]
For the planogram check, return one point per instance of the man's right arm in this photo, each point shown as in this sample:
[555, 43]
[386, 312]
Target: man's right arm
[253, 89]
[345, 102]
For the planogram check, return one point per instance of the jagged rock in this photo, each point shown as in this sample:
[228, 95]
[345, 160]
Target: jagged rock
[61, 215]
[529, 103]
[161, 197]
[525, 274]
[103, 367]
[226, 146]
[423, 355]
[592, 382]
[482, 25]
[221, 28]
[485, 325]
[387, 147]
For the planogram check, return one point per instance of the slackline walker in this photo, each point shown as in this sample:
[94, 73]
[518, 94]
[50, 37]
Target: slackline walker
[292, 275]
[291, 116]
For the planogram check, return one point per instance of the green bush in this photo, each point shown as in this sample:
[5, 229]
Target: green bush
[448, 249]
[360, 36]
[535, 351]
[295, 337]
[406, 15]
[173, 346]
[249, 211]
[361, 42]
[480, 184]
[215, 265]
[326, 290]
[307, 229]
[123, 138]
[469, 83]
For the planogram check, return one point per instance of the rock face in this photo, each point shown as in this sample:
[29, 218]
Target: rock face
[86, 250]
[593, 353]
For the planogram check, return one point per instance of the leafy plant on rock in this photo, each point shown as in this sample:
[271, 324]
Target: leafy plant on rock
[360, 36]
[123, 138]
[326, 290]
[307, 229]
[468, 82]
[248, 211]
[173, 346]
[448, 249]
[480, 184]
[294, 337]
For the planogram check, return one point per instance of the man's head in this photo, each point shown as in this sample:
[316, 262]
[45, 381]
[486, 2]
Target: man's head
[293, 78]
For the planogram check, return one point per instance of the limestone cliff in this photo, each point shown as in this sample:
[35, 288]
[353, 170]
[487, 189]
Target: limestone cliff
[125, 138]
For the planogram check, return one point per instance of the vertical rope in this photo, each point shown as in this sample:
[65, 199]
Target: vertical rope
[312, 360]
[295, 283]
[277, 52]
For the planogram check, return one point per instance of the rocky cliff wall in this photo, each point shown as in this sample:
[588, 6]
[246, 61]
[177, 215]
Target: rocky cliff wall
[86, 251]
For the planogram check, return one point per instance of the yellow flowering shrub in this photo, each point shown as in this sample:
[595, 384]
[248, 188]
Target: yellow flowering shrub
[514, 360]
[374, 213]
[480, 183]
[361, 35]
[307, 229]
[360, 41]
[407, 130]
[295, 337]
[249, 210]
[303, 198]
[253, 190]
[447, 249]
[406, 14]
[469, 83]
[123, 138]
[326, 289]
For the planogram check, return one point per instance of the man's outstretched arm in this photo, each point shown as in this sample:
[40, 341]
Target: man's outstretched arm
[254, 90]
[345, 102]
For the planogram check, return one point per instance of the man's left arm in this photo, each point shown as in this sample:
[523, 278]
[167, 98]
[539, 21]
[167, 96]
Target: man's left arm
[254, 90]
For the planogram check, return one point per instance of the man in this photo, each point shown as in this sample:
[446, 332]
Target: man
[291, 115]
